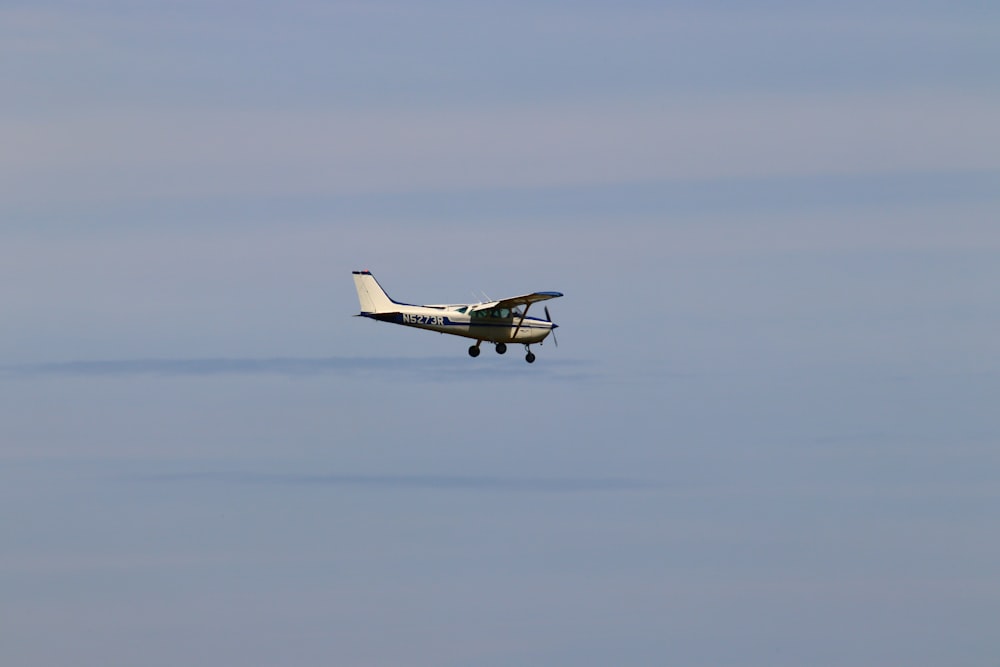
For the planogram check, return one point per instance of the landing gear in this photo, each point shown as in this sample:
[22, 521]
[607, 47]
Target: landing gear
[501, 348]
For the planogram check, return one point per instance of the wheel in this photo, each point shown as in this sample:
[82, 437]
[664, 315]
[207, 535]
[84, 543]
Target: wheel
[474, 351]
[501, 348]
[530, 357]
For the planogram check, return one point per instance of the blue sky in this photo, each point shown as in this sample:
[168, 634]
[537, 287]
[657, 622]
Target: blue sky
[768, 435]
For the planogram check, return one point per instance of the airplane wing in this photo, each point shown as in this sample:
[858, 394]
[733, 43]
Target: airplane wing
[513, 301]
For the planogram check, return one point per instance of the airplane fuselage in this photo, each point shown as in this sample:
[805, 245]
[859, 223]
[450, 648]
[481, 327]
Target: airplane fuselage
[496, 326]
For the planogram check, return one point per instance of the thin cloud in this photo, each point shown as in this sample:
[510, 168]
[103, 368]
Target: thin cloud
[341, 153]
[428, 368]
[428, 482]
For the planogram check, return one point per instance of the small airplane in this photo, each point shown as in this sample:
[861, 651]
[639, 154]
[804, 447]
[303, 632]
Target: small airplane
[498, 322]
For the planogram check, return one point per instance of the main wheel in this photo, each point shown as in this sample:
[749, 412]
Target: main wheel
[501, 348]
[530, 357]
[474, 351]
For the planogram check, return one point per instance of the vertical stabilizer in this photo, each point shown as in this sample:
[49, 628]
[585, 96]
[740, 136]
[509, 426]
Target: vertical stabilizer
[372, 297]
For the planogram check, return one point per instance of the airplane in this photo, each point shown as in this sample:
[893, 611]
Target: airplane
[498, 322]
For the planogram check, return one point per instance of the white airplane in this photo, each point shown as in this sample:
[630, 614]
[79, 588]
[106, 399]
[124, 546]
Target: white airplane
[499, 322]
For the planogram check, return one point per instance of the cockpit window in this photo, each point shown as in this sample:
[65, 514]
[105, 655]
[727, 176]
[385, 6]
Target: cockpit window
[495, 313]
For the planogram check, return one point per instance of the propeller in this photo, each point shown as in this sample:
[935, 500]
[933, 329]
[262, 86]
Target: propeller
[549, 318]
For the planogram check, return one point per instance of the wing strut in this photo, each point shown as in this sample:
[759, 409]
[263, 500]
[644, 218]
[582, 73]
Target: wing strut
[523, 315]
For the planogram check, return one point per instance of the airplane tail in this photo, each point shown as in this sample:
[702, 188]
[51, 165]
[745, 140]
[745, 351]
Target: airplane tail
[371, 295]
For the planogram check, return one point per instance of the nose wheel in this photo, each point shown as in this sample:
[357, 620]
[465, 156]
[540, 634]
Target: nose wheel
[530, 356]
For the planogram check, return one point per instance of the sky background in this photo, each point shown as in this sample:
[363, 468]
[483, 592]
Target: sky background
[769, 435]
